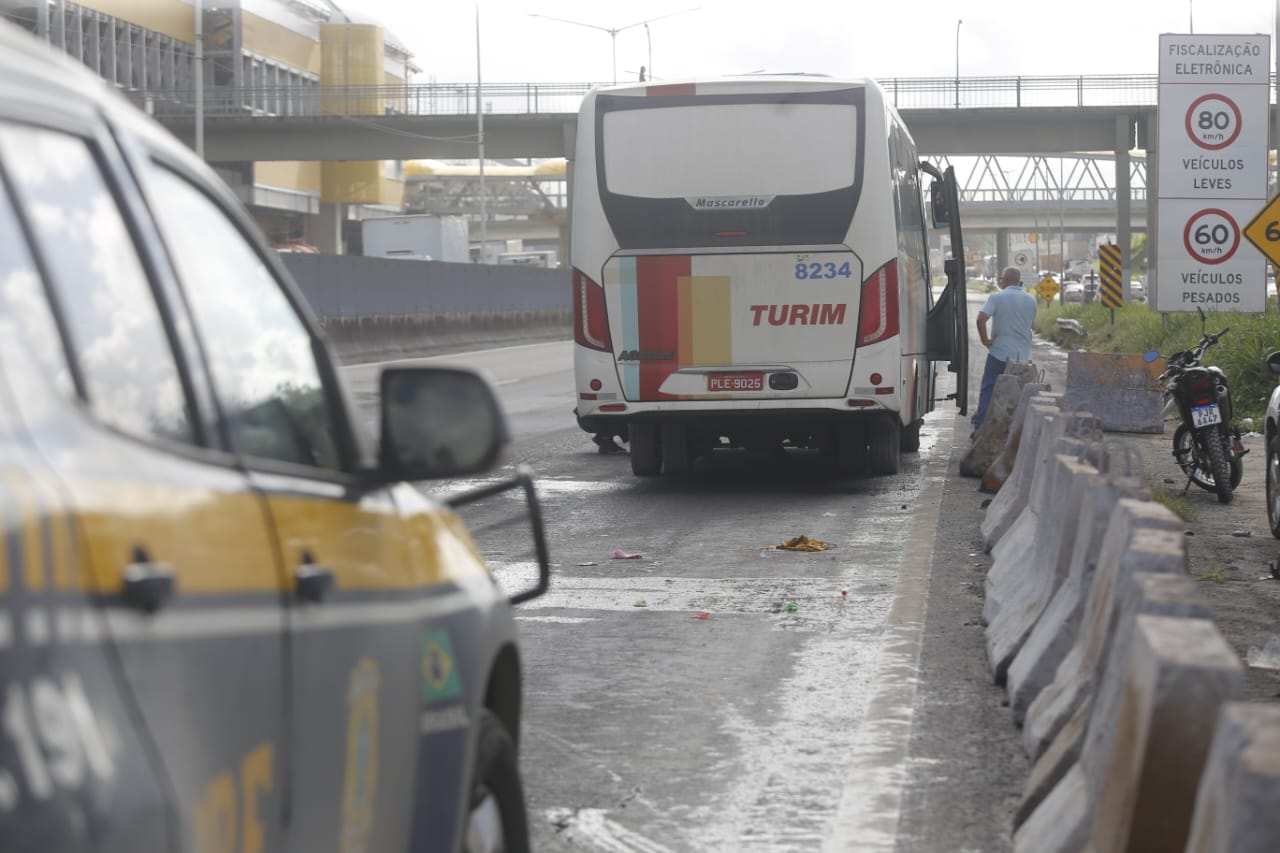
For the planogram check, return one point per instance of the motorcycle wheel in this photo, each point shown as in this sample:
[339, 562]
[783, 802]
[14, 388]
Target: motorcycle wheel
[1218, 450]
[1189, 458]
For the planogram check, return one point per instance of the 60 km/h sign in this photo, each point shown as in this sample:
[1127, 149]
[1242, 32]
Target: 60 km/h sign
[1213, 122]
[1211, 236]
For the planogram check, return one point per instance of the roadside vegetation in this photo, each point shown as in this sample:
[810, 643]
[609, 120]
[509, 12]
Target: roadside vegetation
[1241, 354]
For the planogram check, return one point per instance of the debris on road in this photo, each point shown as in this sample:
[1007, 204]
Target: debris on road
[1242, 534]
[791, 607]
[588, 564]
[619, 554]
[1267, 657]
[640, 603]
[703, 615]
[802, 543]
[844, 593]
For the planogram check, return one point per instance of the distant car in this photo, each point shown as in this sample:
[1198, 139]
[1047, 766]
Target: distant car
[1073, 292]
[1137, 291]
[1090, 283]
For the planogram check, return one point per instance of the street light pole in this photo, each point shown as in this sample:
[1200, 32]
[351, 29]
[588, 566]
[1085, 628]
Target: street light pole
[959, 21]
[484, 210]
[613, 33]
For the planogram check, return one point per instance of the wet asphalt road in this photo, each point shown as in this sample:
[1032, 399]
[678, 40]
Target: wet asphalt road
[762, 726]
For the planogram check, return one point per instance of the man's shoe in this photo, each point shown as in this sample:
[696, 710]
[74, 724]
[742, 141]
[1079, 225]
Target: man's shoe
[610, 448]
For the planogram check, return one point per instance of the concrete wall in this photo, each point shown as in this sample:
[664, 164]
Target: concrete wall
[356, 286]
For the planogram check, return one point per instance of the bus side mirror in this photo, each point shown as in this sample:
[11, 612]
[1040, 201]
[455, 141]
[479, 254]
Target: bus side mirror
[939, 208]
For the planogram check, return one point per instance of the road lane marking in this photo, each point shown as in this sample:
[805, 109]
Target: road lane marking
[593, 829]
[867, 819]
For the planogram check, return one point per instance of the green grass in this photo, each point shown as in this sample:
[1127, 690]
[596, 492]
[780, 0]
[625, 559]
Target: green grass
[1179, 505]
[1241, 354]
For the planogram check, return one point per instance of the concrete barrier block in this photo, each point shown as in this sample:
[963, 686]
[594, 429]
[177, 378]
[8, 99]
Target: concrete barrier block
[1147, 768]
[1009, 502]
[1104, 534]
[991, 436]
[1236, 804]
[1152, 592]
[999, 470]
[1120, 388]
[1017, 593]
[1147, 592]
[1061, 823]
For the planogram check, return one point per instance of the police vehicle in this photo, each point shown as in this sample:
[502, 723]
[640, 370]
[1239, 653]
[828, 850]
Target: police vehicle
[228, 621]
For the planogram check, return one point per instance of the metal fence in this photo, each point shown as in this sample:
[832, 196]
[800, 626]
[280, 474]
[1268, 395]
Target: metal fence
[457, 99]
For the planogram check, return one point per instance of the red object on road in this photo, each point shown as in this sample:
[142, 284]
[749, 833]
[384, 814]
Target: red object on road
[703, 615]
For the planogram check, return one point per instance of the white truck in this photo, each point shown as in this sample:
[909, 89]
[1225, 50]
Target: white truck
[420, 237]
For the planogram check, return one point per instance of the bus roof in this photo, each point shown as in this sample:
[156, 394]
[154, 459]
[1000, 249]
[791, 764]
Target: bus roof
[733, 83]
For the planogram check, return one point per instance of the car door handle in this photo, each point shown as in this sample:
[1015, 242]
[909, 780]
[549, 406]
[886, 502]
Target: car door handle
[313, 582]
[148, 586]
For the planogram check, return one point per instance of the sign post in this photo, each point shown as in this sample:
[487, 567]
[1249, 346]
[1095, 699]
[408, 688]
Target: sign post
[1213, 117]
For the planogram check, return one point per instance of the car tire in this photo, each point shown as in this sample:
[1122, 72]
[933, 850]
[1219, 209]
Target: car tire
[646, 454]
[496, 818]
[1273, 484]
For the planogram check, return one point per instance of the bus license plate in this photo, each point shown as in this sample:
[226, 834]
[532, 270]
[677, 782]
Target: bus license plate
[735, 382]
[1203, 416]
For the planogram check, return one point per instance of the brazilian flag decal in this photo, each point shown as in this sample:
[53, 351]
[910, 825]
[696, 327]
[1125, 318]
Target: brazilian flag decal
[439, 669]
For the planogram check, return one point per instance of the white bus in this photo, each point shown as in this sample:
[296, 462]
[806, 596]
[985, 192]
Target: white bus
[750, 269]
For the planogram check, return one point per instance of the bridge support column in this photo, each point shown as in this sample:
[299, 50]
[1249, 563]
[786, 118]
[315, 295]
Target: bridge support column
[1002, 250]
[1123, 199]
[328, 238]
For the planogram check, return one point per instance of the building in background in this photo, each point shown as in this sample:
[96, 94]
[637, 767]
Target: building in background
[261, 57]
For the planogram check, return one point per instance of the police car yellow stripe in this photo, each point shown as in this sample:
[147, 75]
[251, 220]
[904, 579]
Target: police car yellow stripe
[33, 563]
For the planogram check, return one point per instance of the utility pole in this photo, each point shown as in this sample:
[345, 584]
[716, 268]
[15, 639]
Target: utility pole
[484, 210]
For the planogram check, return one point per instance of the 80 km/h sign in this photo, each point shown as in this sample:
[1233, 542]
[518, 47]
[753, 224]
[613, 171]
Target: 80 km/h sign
[1211, 236]
[1213, 121]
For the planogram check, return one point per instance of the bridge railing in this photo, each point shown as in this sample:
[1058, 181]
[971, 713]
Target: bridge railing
[459, 99]
[1051, 197]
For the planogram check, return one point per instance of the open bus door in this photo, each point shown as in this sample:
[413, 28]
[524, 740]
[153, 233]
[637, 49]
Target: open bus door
[947, 329]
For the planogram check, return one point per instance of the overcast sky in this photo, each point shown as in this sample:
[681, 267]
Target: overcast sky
[872, 38]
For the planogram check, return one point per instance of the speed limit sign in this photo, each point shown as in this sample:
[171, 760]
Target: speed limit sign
[1213, 121]
[1211, 236]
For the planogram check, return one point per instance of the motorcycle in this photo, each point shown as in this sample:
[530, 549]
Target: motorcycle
[1206, 445]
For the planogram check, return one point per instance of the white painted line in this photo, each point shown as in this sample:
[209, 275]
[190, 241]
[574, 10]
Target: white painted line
[558, 620]
[871, 802]
[591, 829]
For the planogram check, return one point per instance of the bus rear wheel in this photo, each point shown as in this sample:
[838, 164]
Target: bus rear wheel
[851, 450]
[676, 456]
[646, 456]
[885, 444]
[911, 437]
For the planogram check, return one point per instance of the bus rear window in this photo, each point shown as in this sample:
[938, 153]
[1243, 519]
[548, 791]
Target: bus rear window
[764, 149]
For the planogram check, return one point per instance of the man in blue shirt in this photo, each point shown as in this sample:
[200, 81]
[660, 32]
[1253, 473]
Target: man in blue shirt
[1012, 311]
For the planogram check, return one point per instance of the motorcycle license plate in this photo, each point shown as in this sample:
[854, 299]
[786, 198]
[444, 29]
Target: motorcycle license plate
[1203, 416]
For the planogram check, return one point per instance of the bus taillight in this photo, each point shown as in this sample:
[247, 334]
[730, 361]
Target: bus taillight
[590, 323]
[878, 316]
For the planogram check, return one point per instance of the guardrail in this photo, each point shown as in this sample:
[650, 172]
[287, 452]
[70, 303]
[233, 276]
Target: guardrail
[457, 99]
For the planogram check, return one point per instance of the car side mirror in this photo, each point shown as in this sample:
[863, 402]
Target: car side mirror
[1273, 362]
[438, 422]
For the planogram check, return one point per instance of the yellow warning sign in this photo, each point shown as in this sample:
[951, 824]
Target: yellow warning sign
[1047, 288]
[1110, 288]
[1264, 230]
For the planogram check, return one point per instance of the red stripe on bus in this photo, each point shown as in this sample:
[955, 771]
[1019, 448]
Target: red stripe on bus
[659, 318]
[672, 89]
